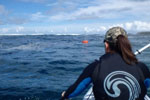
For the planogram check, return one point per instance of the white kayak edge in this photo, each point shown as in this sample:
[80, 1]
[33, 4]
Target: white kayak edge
[89, 95]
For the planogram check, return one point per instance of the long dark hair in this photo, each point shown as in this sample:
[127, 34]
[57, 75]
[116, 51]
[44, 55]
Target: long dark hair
[123, 47]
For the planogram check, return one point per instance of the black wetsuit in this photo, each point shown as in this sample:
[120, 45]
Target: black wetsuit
[112, 79]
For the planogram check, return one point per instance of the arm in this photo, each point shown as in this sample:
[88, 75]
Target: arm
[81, 83]
[146, 73]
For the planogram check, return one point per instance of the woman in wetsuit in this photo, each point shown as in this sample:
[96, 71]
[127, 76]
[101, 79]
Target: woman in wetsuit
[117, 75]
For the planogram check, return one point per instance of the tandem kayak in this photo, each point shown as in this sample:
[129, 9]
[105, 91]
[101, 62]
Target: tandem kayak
[89, 95]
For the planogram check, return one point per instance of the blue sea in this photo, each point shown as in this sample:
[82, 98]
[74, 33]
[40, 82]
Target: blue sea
[40, 67]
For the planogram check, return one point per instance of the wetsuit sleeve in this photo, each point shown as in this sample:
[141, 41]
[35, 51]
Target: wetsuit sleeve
[82, 82]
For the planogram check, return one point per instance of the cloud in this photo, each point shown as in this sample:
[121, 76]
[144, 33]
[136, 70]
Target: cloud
[89, 15]
[133, 26]
[8, 18]
[3, 14]
[4, 30]
[61, 6]
[110, 9]
[13, 20]
[66, 10]
[11, 30]
[62, 10]
[19, 29]
[138, 26]
[129, 25]
[17, 20]
[34, 1]
[138, 0]
[3, 10]
[67, 6]
[37, 16]
[1, 22]
[93, 29]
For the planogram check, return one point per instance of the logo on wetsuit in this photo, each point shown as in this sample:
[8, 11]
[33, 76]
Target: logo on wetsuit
[116, 78]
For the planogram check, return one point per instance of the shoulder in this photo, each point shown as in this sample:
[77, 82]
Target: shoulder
[89, 69]
[104, 57]
[144, 69]
[141, 65]
[92, 65]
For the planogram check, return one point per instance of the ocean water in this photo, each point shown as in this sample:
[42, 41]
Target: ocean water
[41, 67]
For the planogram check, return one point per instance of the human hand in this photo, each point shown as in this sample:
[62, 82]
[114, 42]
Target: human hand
[63, 93]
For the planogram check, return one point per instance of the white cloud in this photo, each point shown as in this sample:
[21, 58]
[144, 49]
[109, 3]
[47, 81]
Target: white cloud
[16, 20]
[114, 25]
[128, 25]
[107, 10]
[66, 6]
[11, 30]
[62, 10]
[138, 26]
[3, 10]
[52, 4]
[4, 30]
[37, 16]
[19, 29]
[101, 28]
[134, 26]
[34, 1]
[75, 15]
[8, 18]
[93, 29]
[87, 30]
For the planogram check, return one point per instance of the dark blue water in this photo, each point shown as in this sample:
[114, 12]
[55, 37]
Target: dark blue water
[41, 67]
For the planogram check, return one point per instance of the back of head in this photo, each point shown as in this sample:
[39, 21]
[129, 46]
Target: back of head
[113, 33]
[118, 41]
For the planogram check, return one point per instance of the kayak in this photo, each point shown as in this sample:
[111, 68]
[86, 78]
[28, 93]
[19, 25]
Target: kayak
[89, 95]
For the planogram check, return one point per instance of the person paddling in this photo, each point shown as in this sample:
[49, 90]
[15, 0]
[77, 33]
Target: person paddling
[117, 75]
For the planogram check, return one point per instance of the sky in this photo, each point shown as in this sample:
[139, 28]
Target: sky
[72, 16]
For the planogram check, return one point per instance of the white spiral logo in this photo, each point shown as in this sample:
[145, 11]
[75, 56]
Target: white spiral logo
[116, 78]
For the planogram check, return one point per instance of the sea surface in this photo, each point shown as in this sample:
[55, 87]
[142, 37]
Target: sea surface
[40, 67]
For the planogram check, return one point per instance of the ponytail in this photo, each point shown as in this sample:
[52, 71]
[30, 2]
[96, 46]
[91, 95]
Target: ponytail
[123, 47]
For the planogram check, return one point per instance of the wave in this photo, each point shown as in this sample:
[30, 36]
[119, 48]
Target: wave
[31, 46]
[67, 34]
[38, 34]
[64, 62]
[57, 34]
[15, 93]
